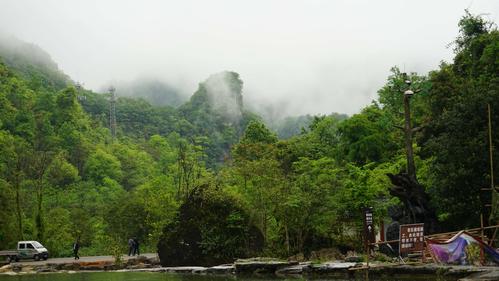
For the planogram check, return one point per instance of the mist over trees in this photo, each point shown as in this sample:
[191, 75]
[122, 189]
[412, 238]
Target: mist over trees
[296, 185]
[154, 91]
[32, 63]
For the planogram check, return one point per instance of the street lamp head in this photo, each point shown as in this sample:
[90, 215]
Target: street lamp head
[406, 78]
[409, 93]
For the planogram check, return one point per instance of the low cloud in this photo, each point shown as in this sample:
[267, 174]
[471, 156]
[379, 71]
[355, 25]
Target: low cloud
[298, 56]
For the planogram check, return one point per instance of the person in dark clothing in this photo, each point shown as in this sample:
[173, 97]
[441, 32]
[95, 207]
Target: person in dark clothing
[76, 248]
[131, 247]
[136, 248]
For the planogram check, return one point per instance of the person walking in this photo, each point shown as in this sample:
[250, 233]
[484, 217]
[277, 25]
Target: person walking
[136, 249]
[131, 247]
[76, 248]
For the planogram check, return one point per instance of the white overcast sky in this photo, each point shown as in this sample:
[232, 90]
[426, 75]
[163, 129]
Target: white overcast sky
[306, 56]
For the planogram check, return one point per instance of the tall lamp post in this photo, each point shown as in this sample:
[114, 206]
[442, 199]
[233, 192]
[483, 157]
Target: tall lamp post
[408, 130]
[405, 185]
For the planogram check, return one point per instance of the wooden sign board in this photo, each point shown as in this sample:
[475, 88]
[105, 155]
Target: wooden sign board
[411, 237]
[369, 236]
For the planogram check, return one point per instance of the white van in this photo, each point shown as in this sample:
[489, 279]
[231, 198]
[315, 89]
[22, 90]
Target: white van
[31, 250]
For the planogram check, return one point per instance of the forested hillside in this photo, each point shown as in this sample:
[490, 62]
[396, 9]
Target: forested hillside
[32, 63]
[211, 171]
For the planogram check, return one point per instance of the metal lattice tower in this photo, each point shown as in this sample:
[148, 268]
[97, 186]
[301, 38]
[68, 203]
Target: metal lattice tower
[112, 112]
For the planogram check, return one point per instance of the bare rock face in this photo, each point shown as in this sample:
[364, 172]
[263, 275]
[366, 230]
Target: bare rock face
[417, 208]
[6, 268]
[292, 270]
[260, 266]
[222, 269]
[340, 270]
[70, 266]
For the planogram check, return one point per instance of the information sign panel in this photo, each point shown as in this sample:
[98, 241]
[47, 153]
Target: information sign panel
[411, 238]
[369, 236]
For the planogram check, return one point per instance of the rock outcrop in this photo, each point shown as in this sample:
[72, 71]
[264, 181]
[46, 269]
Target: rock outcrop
[260, 266]
[263, 266]
[210, 228]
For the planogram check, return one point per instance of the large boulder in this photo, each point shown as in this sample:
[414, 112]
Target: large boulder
[211, 228]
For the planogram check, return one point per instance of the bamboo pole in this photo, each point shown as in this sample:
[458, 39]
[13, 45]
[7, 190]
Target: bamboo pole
[481, 225]
[491, 162]
[482, 258]
[491, 242]
[490, 151]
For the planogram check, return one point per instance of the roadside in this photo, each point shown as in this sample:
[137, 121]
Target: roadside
[82, 260]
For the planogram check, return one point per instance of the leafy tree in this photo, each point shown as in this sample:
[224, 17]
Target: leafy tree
[101, 165]
[456, 134]
[255, 161]
[61, 173]
[368, 137]
[137, 165]
[14, 162]
[58, 233]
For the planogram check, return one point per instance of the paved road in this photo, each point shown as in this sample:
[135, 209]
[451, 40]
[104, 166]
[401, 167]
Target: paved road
[82, 259]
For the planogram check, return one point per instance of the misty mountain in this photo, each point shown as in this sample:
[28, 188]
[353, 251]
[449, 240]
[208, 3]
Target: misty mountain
[286, 126]
[221, 93]
[156, 92]
[290, 126]
[32, 63]
[216, 110]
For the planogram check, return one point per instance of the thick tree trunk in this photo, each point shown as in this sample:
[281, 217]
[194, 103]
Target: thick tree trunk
[45, 157]
[18, 208]
[406, 186]
[411, 167]
[415, 199]
[39, 215]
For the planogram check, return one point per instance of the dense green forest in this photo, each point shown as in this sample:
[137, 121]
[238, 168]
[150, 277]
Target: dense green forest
[63, 176]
